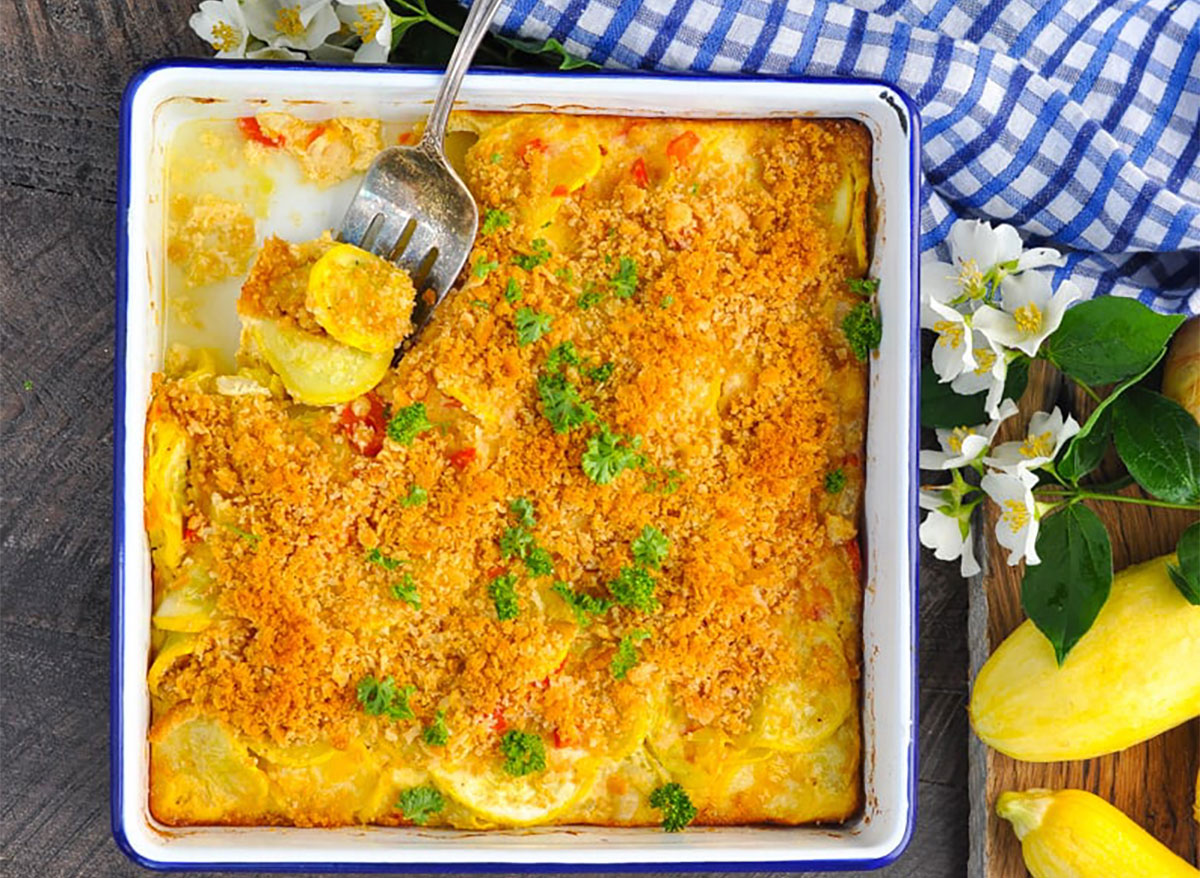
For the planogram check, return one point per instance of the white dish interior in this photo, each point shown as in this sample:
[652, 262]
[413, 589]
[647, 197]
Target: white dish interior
[169, 95]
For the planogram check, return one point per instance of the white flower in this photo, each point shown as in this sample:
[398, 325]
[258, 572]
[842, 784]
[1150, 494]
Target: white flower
[295, 24]
[965, 445]
[952, 353]
[1017, 526]
[370, 21]
[221, 24]
[989, 373]
[276, 53]
[947, 529]
[1029, 313]
[1047, 433]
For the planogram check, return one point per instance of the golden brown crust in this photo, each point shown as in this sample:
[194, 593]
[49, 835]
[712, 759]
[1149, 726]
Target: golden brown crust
[728, 362]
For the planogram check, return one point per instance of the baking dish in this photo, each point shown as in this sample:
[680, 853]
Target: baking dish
[166, 95]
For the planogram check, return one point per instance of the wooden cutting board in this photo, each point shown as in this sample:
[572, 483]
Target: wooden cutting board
[1154, 782]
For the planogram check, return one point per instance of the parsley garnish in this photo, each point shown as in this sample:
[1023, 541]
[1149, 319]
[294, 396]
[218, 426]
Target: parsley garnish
[673, 480]
[650, 547]
[406, 590]
[538, 562]
[416, 496]
[589, 298]
[408, 423]
[564, 274]
[512, 291]
[516, 542]
[524, 752]
[584, 606]
[835, 480]
[563, 354]
[495, 158]
[483, 268]
[382, 698]
[522, 509]
[562, 405]
[531, 325]
[503, 593]
[436, 734]
[495, 219]
[600, 373]
[624, 283]
[479, 303]
[419, 803]
[862, 327]
[540, 255]
[609, 454]
[626, 656]
[677, 809]
[634, 587]
[377, 557]
[252, 538]
[867, 287]
[27, 384]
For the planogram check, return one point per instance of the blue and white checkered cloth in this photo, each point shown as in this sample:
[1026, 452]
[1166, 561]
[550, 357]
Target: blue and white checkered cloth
[1077, 121]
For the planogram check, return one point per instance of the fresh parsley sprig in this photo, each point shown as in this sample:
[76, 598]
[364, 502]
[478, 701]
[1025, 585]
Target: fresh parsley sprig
[384, 698]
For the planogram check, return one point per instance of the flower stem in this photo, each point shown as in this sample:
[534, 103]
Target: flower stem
[1086, 389]
[1075, 496]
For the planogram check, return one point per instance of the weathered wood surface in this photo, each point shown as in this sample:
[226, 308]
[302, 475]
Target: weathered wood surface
[1154, 783]
[63, 64]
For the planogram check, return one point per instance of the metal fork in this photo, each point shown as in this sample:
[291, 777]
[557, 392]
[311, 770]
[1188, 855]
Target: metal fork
[411, 207]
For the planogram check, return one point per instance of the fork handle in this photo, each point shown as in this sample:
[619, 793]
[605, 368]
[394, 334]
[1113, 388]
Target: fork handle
[473, 30]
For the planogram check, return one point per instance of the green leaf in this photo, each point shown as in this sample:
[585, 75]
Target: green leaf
[1109, 339]
[1064, 593]
[401, 24]
[942, 407]
[1187, 575]
[566, 61]
[1084, 451]
[1159, 443]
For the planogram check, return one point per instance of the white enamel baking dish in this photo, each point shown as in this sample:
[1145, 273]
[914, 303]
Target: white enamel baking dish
[160, 98]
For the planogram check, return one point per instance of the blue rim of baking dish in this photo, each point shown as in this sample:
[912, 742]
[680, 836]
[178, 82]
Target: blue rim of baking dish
[910, 120]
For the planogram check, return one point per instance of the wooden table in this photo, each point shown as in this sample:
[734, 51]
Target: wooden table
[63, 64]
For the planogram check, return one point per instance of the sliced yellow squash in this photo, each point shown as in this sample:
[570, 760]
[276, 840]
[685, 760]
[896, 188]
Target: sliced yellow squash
[190, 606]
[487, 790]
[846, 214]
[360, 299]
[294, 755]
[338, 787]
[166, 484]
[176, 645]
[562, 154]
[798, 714]
[202, 774]
[316, 370]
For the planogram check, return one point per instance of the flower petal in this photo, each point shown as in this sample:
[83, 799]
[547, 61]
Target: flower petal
[977, 240]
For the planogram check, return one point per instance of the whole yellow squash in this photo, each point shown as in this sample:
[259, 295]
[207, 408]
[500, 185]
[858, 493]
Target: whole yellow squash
[1075, 834]
[1135, 674]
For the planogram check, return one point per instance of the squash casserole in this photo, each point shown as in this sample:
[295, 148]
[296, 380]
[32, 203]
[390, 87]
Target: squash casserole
[585, 554]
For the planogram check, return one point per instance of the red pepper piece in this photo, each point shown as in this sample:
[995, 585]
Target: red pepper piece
[250, 129]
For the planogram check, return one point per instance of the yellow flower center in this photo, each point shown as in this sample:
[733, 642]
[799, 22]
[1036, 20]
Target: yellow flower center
[970, 279]
[985, 360]
[950, 333]
[287, 21]
[1016, 515]
[1041, 445]
[225, 37]
[368, 25]
[1029, 319]
[956, 438]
